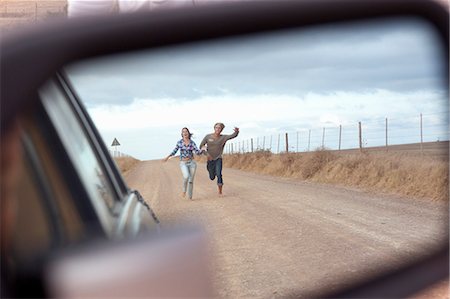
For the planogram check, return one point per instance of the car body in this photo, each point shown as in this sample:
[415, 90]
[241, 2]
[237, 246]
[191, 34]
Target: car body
[69, 188]
[70, 191]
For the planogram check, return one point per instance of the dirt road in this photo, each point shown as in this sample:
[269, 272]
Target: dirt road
[274, 237]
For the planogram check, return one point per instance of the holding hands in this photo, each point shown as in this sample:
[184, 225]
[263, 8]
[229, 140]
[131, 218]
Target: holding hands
[203, 148]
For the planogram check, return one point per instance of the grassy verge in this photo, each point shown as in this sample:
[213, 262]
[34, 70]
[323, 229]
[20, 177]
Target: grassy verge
[414, 176]
[125, 164]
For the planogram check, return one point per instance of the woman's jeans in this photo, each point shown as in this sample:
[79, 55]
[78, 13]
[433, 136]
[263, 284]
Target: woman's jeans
[188, 169]
[215, 169]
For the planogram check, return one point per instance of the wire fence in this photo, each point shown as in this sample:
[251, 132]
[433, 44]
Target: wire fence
[14, 13]
[117, 154]
[359, 135]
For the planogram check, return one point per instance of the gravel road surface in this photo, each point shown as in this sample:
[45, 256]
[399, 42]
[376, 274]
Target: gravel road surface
[275, 237]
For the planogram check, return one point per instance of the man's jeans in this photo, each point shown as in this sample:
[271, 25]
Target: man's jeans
[188, 169]
[215, 169]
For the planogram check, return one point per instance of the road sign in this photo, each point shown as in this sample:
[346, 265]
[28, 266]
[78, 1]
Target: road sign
[115, 142]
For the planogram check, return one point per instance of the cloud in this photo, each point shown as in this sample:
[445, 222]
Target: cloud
[149, 128]
[294, 81]
[400, 57]
[266, 111]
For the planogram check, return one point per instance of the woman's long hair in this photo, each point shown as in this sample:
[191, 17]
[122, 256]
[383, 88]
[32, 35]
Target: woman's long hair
[190, 135]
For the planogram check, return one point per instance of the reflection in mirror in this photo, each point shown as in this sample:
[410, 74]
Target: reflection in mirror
[340, 168]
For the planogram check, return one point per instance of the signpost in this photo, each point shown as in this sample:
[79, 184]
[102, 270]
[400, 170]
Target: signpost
[115, 143]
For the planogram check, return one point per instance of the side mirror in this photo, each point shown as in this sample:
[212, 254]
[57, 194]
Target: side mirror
[177, 264]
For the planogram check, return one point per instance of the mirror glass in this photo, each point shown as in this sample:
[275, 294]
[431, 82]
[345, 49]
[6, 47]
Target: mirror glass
[340, 168]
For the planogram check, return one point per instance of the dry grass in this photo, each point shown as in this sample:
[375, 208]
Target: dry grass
[125, 164]
[414, 176]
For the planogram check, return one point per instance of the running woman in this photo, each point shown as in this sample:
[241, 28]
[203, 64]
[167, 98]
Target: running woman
[188, 166]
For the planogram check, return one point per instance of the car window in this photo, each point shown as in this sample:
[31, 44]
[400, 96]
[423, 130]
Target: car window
[80, 151]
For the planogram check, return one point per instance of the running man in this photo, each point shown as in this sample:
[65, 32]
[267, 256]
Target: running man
[215, 142]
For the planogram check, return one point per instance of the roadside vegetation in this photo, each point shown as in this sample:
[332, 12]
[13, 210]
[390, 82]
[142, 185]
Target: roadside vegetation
[125, 164]
[411, 175]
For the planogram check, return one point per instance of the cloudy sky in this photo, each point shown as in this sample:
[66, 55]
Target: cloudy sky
[268, 85]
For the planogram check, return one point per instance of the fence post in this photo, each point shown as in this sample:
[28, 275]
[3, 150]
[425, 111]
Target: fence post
[257, 143]
[297, 141]
[387, 149]
[340, 136]
[232, 148]
[251, 141]
[309, 140]
[323, 138]
[264, 143]
[360, 137]
[421, 135]
[287, 143]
